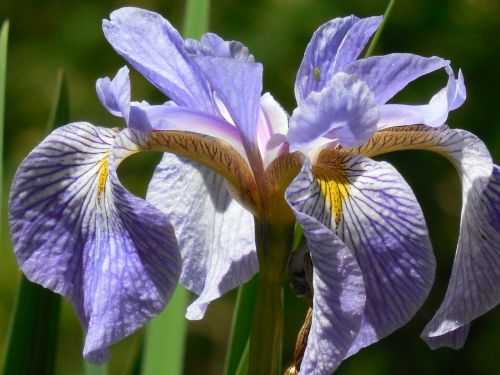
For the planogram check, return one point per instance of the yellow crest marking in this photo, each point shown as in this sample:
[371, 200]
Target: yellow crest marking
[333, 183]
[102, 175]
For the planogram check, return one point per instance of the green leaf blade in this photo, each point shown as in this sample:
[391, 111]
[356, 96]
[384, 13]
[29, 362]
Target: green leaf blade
[32, 343]
[166, 337]
[241, 326]
[4, 36]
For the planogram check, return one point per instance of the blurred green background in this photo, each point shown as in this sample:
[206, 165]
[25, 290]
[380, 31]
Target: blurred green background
[48, 35]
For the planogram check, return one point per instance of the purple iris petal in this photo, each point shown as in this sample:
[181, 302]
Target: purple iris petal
[383, 224]
[213, 45]
[171, 117]
[339, 290]
[389, 74]
[374, 212]
[115, 94]
[216, 234]
[238, 84]
[433, 114]
[473, 288]
[78, 232]
[344, 111]
[334, 45]
[153, 47]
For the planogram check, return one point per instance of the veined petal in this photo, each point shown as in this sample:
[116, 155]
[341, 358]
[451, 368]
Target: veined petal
[473, 287]
[153, 47]
[345, 111]
[215, 233]
[374, 212]
[433, 114]
[78, 232]
[334, 45]
[387, 75]
[170, 117]
[238, 84]
[115, 94]
[272, 128]
[339, 290]
[213, 45]
[213, 153]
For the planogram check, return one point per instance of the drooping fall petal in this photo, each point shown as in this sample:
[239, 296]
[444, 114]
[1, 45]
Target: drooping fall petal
[216, 234]
[78, 232]
[339, 289]
[473, 288]
[373, 211]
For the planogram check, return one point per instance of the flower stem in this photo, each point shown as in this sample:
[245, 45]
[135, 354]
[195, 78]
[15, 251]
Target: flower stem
[274, 241]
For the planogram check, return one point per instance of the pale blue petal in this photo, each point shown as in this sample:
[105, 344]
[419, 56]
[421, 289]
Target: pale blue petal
[345, 111]
[474, 286]
[153, 47]
[387, 75]
[170, 117]
[339, 290]
[454, 339]
[115, 94]
[216, 234]
[78, 232]
[433, 114]
[384, 225]
[334, 45]
[213, 45]
[238, 85]
[374, 212]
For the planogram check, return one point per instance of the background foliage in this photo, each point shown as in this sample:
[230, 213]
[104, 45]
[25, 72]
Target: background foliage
[47, 35]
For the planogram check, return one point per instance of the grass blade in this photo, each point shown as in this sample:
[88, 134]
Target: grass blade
[375, 39]
[196, 19]
[59, 113]
[32, 344]
[33, 332]
[91, 369]
[4, 35]
[244, 361]
[165, 338]
[241, 325]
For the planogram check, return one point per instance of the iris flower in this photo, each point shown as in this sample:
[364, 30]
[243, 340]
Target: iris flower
[237, 173]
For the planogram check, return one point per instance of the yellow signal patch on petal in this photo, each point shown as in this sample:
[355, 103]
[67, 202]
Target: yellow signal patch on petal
[103, 175]
[332, 180]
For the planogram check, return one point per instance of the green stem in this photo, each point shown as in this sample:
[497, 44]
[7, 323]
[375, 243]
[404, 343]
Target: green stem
[274, 242]
[375, 39]
[196, 19]
[240, 327]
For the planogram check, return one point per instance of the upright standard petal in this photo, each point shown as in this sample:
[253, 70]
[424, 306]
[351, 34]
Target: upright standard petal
[216, 234]
[339, 290]
[334, 45]
[473, 287]
[387, 75]
[344, 112]
[78, 232]
[115, 94]
[213, 45]
[374, 212]
[239, 85]
[153, 47]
